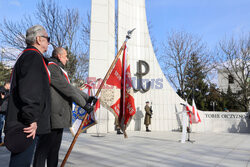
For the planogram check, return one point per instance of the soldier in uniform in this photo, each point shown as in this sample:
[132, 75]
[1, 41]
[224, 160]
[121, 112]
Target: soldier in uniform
[148, 115]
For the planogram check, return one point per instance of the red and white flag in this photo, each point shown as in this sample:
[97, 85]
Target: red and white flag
[90, 90]
[111, 92]
[189, 112]
[127, 105]
[117, 95]
[195, 115]
[192, 112]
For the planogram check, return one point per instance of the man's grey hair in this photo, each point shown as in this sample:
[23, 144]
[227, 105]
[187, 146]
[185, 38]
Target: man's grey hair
[33, 32]
[57, 51]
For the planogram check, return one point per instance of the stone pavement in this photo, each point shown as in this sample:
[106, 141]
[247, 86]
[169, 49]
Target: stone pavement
[156, 149]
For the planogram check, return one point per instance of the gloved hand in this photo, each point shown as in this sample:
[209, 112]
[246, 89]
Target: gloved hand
[88, 107]
[92, 100]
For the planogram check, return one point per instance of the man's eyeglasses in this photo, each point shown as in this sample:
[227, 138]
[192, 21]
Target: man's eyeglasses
[48, 38]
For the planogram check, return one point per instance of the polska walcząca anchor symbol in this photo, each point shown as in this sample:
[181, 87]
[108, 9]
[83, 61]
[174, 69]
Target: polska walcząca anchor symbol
[139, 75]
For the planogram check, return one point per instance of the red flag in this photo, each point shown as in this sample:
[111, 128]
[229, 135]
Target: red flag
[118, 93]
[111, 93]
[127, 105]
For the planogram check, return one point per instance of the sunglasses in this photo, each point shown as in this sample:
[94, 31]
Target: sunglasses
[48, 38]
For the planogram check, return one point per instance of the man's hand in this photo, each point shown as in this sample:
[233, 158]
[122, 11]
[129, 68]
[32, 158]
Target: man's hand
[88, 107]
[92, 100]
[2, 96]
[31, 130]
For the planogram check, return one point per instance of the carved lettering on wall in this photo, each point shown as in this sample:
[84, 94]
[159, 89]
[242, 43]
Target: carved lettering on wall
[226, 116]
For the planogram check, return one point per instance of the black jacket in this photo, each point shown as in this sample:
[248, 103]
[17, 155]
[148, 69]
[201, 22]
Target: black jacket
[62, 96]
[29, 99]
[4, 101]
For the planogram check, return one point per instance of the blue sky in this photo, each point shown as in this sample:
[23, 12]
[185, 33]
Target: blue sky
[213, 20]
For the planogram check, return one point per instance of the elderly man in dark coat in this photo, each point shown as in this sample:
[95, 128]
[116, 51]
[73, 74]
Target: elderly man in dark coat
[28, 112]
[148, 115]
[62, 96]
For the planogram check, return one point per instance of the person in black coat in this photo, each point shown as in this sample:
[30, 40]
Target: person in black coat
[28, 112]
[4, 92]
[148, 116]
[63, 93]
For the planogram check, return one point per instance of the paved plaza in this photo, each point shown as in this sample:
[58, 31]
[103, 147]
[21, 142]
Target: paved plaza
[156, 149]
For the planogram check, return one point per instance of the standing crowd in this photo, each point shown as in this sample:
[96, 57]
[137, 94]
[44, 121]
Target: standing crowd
[36, 104]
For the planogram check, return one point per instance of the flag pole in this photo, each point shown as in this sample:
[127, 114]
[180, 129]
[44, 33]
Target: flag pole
[128, 36]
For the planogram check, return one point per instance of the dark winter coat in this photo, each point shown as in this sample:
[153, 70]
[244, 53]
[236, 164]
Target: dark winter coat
[4, 101]
[29, 99]
[62, 96]
[148, 114]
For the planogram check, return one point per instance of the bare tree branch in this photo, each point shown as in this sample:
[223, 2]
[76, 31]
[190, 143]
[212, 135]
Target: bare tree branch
[62, 25]
[234, 61]
[177, 51]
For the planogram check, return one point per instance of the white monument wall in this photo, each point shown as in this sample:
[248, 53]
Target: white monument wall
[132, 14]
[233, 122]
[102, 50]
[166, 103]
